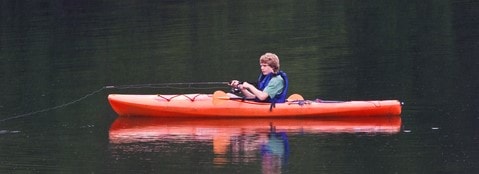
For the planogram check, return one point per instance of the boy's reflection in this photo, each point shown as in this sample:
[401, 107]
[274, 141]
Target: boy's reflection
[275, 151]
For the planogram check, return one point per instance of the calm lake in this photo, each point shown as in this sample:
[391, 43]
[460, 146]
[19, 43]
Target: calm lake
[60, 59]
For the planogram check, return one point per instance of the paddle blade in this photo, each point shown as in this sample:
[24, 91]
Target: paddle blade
[294, 97]
[220, 95]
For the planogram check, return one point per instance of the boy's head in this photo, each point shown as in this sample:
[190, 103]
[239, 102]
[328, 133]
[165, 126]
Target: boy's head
[271, 59]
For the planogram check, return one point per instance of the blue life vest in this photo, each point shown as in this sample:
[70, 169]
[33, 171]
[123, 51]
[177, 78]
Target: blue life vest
[263, 81]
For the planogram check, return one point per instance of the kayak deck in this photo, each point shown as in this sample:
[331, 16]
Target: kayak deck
[206, 105]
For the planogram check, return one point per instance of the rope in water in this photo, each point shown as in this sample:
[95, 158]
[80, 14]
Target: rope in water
[159, 85]
[55, 107]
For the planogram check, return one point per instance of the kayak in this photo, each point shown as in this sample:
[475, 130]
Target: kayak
[221, 105]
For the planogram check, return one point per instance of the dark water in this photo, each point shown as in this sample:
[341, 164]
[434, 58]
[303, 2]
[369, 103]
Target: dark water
[53, 53]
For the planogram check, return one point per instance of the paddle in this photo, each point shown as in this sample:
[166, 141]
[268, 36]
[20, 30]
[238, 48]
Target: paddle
[295, 97]
[221, 95]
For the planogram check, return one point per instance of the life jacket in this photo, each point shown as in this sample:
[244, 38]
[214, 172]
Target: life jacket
[263, 81]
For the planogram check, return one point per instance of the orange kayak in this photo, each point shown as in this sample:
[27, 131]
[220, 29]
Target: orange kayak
[209, 105]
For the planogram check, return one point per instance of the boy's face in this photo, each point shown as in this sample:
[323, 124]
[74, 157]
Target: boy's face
[265, 68]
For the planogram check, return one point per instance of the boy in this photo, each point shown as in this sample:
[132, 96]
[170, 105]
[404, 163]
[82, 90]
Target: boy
[272, 83]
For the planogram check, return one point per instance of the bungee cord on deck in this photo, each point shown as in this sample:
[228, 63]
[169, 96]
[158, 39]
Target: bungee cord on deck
[191, 85]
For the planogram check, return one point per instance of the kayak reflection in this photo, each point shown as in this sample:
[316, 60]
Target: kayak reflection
[237, 140]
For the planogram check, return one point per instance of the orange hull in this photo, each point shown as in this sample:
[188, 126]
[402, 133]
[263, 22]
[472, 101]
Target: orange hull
[205, 105]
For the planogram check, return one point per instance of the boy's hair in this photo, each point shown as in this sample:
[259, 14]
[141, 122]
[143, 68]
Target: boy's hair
[271, 59]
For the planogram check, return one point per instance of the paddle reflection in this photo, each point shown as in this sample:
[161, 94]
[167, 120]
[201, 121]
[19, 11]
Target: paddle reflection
[241, 140]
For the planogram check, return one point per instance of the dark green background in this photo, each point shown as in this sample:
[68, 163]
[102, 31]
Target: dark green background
[423, 53]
